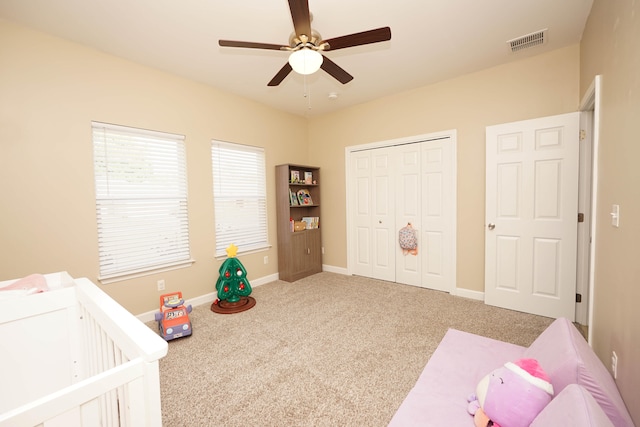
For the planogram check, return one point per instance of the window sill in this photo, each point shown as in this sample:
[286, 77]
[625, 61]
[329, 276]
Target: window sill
[221, 256]
[105, 280]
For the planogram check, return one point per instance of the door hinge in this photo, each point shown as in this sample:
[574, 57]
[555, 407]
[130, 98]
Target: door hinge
[583, 134]
[580, 217]
[578, 297]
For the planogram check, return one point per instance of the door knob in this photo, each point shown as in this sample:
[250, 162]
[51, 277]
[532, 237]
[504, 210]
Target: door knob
[491, 226]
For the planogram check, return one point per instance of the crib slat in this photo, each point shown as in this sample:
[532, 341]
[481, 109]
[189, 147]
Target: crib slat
[90, 412]
[132, 336]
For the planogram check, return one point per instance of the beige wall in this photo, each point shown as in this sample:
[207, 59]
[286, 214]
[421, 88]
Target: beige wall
[50, 91]
[50, 85]
[611, 48]
[540, 86]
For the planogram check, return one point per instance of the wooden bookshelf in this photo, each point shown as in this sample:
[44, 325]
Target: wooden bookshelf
[299, 252]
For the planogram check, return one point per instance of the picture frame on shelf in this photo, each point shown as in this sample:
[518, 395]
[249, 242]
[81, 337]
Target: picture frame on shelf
[295, 177]
[308, 178]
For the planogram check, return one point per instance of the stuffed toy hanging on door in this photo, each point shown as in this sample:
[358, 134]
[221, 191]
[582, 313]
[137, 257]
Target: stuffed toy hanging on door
[408, 240]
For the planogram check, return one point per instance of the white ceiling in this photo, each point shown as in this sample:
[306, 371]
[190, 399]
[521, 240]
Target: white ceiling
[431, 40]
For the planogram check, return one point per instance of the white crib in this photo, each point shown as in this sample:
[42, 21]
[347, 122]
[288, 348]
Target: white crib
[72, 356]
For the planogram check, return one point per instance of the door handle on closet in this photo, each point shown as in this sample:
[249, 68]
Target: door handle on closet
[491, 226]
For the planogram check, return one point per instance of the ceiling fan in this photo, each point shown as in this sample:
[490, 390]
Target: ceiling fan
[306, 44]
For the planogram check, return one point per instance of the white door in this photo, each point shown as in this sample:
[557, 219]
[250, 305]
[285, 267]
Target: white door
[531, 215]
[360, 198]
[373, 200]
[438, 216]
[408, 209]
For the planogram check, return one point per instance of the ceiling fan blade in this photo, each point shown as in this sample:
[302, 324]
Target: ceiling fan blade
[251, 45]
[301, 17]
[279, 77]
[335, 70]
[358, 39]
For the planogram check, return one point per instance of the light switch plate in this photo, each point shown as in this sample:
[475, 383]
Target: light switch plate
[615, 215]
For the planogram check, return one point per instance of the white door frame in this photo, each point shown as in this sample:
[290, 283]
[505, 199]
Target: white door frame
[591, 103]
[452, 135]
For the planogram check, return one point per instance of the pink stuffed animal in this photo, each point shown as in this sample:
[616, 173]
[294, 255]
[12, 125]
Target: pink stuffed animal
[512, 395]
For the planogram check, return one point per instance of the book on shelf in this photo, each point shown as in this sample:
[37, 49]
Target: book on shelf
[311, 221]
[308, 178]
[304, 197]
[295, 177]
[293, 198]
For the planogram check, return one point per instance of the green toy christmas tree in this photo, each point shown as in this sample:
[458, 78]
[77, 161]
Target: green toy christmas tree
[232, 286]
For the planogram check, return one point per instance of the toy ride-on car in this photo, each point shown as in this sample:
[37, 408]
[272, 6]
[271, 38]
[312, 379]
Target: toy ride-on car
[173, 318]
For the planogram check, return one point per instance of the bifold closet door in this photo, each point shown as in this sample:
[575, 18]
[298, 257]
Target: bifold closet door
[373, 234]
[424, 189]
[390, 188]
[437, 237]
[408, 210]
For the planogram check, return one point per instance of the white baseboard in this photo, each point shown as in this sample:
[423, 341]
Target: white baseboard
[466, 293]
[332, 269]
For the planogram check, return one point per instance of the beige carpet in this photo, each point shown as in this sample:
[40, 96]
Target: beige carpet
[328, 350]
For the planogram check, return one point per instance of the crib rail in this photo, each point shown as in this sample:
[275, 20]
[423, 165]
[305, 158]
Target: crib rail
[85, 402]
[116, 375]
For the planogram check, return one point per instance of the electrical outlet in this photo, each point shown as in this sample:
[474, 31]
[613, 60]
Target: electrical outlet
[266, 260]
[614, 365]
[161, 285]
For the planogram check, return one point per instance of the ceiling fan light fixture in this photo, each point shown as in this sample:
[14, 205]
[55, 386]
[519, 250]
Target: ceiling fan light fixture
[305, 61]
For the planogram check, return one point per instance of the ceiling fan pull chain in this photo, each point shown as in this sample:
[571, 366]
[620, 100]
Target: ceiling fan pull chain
[307, 92]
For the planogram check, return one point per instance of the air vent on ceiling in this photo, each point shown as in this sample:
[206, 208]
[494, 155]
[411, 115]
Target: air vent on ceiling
[530, 40]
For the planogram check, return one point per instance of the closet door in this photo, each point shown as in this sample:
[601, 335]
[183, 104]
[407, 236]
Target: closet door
[408, 210]
[373, 231]
[389, 187]
[383, 205]
[360, 234]
[437, 234]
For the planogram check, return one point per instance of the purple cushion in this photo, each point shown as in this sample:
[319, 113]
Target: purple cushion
[567, 358]
[439, 397]
[574, 406]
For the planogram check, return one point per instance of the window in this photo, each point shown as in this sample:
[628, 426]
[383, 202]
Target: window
[141, 201]
[239, 195]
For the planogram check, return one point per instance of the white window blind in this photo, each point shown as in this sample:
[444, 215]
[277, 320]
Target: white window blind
[240, 198]
[141, 200]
